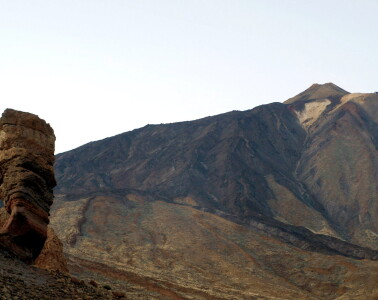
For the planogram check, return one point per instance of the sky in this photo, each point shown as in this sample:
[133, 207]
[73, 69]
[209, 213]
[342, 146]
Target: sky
[94, 69]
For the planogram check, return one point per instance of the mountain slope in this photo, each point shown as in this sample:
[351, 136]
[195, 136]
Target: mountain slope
[282, 172]
[207, 159]
[339, 167]
[174, 251]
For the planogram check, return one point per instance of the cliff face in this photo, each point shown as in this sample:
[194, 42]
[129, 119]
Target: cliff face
[183, 197]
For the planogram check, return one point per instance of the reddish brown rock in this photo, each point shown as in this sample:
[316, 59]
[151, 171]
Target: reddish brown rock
[3, 216]
[51, 256]
[26, 181]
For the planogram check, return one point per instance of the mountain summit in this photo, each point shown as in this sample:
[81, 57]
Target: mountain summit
[279, 201]
[317, 92]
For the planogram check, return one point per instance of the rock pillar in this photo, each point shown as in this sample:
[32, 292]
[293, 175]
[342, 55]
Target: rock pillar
[26, 181]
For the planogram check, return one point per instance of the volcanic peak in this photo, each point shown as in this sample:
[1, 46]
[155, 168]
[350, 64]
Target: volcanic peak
[318, 92]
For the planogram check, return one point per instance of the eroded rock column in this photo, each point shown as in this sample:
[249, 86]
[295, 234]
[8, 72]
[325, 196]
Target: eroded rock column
[26, 181]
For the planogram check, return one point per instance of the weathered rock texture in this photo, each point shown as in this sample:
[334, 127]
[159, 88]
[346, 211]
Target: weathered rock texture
[51, 256]
[21, 281]
[26, 181]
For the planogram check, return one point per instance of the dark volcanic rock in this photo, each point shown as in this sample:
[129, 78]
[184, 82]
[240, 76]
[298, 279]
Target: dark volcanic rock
[26, 181]
[220, 161]
[261, 162]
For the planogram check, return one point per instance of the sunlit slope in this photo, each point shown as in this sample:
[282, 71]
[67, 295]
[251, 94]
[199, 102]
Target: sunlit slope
[340, 166]
[195, 254]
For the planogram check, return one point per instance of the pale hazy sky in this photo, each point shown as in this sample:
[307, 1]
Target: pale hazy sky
[93, 69]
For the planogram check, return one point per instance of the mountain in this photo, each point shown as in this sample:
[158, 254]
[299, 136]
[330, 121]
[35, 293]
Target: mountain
[277, 201]
[319, 92]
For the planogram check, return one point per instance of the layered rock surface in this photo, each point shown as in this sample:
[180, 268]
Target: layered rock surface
[26, 181]
[51, 256]
[166, 207]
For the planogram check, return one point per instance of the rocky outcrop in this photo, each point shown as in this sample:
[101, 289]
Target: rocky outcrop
[26, 181]
[51, 256]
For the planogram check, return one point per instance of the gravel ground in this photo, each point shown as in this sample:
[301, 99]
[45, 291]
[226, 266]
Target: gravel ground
[20, 281]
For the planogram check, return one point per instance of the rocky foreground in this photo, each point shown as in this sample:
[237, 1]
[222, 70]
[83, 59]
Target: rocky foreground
[21, 281]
